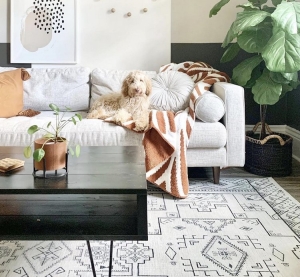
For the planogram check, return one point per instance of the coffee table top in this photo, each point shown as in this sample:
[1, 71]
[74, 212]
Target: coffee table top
[103, 197]
[103, 169]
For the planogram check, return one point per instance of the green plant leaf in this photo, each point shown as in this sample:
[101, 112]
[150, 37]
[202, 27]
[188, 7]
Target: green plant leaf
[285, 88]
[216, 8]
[38, 154]
[71, 150]
[74, 120]
[32, 129]
[48, 125]
[48, 135]
[294, 84]
[256, 73]
[242, 72]
[287, 17]
[276, 2]
[282, 52]
[77, 150]
[279, 78]
[27, 152]
[265, 90]
[291, 76]
[247, 19]
[230, 53]
[79, 116]
[268, 9]
[254, 39]
[247, 7]
[230, 36]
[54, 108]
[258, 3]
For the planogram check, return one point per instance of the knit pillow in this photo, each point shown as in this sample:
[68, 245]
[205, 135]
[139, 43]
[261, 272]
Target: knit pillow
[171, 91]
[11, 91]
[209, 107]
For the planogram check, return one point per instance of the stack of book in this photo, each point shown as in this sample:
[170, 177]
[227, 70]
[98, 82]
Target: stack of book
[9, 164]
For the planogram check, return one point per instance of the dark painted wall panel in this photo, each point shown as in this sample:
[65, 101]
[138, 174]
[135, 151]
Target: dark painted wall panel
[211, 53]
[293, 115]
[5, 57]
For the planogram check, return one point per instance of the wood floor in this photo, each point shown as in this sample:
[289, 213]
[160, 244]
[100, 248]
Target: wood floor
[290, 183]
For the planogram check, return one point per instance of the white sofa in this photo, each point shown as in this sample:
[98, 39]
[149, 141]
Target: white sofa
[216, 144]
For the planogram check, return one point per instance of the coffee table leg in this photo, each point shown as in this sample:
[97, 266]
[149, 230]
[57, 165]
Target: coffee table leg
[110, 258]
[91, 258]
[142, 214]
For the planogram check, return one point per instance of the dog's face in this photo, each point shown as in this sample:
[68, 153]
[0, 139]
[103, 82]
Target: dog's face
[136, 84]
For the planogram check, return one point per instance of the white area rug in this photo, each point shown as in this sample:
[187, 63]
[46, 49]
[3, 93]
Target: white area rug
[238, 228]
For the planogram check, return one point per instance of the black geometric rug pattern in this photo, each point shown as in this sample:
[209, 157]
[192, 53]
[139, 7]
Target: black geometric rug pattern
[241, 227]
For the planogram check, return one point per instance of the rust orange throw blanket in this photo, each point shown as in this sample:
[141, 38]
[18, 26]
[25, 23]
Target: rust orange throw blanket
[166, 140]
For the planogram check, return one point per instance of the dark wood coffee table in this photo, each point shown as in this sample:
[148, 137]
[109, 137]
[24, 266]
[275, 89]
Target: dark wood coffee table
[103, 197]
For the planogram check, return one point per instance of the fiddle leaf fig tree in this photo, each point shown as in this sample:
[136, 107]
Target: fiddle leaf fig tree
[272, 34]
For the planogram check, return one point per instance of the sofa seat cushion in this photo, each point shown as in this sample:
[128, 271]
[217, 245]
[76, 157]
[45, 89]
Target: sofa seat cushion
[95, 132]
[208, 135]
[88, 132]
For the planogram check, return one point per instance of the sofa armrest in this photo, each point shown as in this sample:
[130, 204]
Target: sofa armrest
[234, 121]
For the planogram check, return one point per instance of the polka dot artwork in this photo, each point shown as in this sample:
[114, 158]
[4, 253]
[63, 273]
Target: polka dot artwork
[49, 15]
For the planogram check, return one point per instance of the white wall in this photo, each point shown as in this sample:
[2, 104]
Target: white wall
[4, 19]
[142, 41]
[116, 41]
[191, 22]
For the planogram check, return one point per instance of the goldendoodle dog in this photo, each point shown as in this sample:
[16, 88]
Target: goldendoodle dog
[131, 104]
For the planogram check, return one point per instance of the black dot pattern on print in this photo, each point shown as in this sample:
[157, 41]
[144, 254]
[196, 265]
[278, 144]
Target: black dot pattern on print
[49, 15]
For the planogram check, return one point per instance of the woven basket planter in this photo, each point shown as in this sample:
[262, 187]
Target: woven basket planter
[271, 156]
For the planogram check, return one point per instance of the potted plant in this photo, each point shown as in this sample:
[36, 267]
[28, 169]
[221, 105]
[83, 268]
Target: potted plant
[272, 34]
[50, 150]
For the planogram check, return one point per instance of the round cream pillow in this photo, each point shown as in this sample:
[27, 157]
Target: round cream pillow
[209, 107]
[171, 91]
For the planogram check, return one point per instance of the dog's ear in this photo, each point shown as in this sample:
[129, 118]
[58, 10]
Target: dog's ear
[148, 83]
[125, 87]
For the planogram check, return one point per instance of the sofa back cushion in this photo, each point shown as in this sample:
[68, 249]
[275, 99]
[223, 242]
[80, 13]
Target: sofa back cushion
[65, 87]
[11, 91]
[105, 81]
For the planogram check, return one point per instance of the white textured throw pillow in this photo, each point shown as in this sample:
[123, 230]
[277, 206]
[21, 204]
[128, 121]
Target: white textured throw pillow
[209, 107]
[171, 91]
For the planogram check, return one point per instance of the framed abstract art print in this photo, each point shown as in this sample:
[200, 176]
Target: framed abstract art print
[43, 31]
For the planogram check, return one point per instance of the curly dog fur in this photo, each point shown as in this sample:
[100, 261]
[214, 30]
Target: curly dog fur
[131, 103]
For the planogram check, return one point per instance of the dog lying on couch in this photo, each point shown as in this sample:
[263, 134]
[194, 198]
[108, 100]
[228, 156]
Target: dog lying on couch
[131, 103]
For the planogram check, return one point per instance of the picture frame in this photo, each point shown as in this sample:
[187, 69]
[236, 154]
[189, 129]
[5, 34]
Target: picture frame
[43, 31]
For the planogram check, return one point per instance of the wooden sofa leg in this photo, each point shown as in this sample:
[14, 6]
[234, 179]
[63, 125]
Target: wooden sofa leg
[216, 174]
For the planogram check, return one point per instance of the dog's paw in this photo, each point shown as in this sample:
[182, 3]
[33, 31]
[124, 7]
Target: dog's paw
[141, 126]
[92, 114]
[122, 116]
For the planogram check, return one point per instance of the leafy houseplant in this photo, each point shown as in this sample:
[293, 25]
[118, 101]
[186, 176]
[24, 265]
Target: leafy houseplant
[272, 34]
[52, 134]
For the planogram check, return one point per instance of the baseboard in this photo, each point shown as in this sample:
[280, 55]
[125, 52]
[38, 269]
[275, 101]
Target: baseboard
[295, 134]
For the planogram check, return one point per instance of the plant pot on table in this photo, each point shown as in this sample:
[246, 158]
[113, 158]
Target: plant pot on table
[55, 154]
